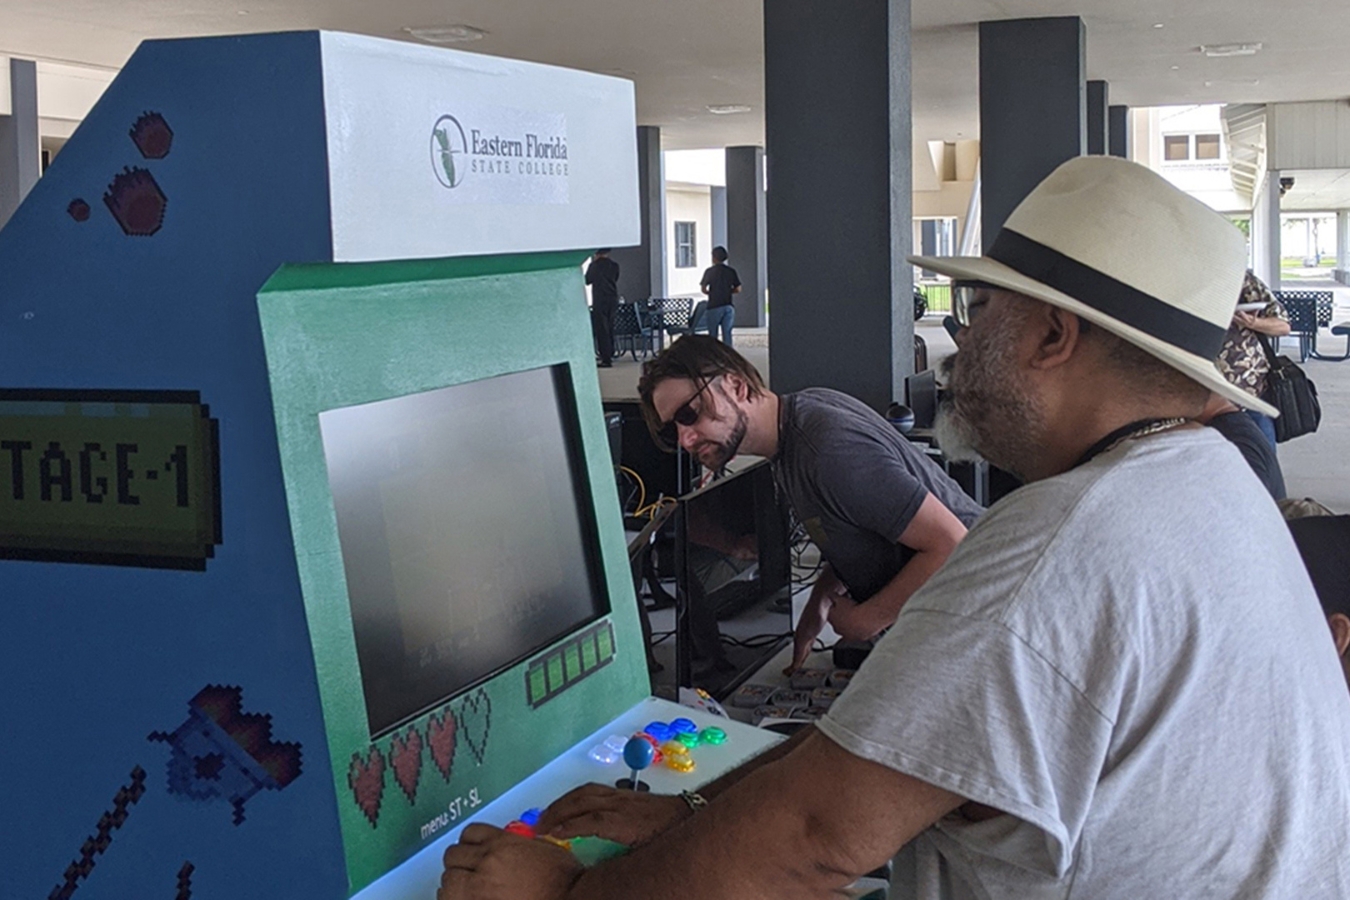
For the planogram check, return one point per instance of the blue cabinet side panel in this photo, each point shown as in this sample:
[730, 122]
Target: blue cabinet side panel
[203, 680]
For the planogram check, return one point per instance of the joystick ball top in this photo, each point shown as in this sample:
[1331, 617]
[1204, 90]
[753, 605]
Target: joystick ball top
[638, 753]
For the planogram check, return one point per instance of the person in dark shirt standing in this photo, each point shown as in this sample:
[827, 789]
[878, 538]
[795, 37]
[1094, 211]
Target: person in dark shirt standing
[603, 277]
[719, 282]
[1243, 433]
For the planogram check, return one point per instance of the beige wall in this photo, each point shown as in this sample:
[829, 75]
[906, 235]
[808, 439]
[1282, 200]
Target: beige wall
[688, 203]
[951, 200]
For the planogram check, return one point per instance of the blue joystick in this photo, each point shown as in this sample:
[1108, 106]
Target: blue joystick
[638, 753]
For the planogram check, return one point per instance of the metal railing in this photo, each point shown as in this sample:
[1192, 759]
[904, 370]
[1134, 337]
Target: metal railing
[939, 294]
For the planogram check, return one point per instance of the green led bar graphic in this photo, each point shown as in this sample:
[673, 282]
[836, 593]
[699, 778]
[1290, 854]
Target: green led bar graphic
[565, 665]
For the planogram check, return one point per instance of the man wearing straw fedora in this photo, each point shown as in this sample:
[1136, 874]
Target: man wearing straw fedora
[1097, 696]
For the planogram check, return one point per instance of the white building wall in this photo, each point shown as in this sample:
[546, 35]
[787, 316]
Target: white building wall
[1208, 180]
[66, 93]
[688, 203]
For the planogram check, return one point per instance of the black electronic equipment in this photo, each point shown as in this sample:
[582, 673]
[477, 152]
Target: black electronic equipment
[921, 397]
[671, 474]
[733, 585]
[467, 535]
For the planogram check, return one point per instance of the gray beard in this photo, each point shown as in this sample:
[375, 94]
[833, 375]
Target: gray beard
[1000, 421]
[956, 437]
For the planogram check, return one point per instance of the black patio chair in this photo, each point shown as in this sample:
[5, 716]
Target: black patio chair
[697, 321]
[1308, 312]
[631, 335]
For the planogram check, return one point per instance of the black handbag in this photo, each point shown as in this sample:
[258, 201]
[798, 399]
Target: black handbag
[1291, 391]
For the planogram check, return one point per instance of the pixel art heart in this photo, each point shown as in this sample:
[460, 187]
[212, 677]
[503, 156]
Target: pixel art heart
[475, 721]
[366, 779]
[406, 755]
[441, 736]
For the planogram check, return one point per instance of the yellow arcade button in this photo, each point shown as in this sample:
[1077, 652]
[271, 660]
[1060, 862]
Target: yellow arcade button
[681, 763]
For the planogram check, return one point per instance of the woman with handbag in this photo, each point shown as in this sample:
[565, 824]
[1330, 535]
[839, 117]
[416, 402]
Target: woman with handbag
[1243, 359]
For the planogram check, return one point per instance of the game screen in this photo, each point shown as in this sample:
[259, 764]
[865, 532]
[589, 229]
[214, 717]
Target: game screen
[466, 538]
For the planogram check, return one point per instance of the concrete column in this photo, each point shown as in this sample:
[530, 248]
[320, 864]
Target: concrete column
[1097, 124]
[1342, 273]
[20, 144]
[839, 145]
[1033, 109]
[1265, 231]
[642, 269]
[1118, 131]
[747, 232]
[719, 215]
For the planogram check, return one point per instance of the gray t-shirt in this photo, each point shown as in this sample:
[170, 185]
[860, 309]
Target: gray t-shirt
[1130, 662]
[855, 483]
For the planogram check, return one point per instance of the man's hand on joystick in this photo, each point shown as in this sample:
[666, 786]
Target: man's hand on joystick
[625, 816]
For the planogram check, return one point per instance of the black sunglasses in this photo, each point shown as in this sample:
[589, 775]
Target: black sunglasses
[686, 415]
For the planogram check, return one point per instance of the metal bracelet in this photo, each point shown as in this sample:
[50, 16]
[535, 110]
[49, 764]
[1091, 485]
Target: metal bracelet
[695, 801]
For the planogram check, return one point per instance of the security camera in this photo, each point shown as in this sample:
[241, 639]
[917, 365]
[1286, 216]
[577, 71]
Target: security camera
[1286, 185]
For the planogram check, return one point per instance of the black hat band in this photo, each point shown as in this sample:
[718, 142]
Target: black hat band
[1125, 304]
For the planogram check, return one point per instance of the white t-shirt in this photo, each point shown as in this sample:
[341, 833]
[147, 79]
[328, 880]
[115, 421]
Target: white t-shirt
[1128, 660]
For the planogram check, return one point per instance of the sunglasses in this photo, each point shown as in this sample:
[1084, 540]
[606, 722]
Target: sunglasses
[685, 415]
[964, 304]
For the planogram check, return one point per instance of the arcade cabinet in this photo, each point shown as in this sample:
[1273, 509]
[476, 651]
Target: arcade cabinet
[309, 542]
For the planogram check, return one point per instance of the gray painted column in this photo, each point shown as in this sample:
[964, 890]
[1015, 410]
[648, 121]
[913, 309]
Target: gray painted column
[1265, 232]
[838, 143]
[20, 144]
[1118, 131]
[747, 232]
[719, 215]
[642, 269]
[1033, 110]
[1342, 273]
[1097, 125]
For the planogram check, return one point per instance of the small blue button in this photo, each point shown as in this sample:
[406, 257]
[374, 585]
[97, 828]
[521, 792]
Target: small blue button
[684, 726]
[659, 730]
[531, 816]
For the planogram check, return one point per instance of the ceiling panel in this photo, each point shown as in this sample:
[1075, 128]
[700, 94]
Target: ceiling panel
[685, 55]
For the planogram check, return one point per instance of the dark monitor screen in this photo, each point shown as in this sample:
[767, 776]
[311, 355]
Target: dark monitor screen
[467, 531]
[921, 397]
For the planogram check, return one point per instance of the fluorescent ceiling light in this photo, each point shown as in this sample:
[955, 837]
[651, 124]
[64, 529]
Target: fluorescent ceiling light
[447, 34]
[1216, 50]
[729, 109]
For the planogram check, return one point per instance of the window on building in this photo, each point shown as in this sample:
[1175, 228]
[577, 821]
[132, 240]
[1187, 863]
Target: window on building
[686, 256]
[1207, 146]
[1176, 147]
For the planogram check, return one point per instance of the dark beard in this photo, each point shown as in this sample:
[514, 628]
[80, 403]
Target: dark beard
[731, 446]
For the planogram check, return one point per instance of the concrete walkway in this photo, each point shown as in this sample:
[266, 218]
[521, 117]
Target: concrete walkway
[1316, 465]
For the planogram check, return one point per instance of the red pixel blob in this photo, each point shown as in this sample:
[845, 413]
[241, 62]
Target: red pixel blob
[152, 136]
[136, 202]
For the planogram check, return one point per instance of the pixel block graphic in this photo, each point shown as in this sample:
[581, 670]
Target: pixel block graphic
[221, 752]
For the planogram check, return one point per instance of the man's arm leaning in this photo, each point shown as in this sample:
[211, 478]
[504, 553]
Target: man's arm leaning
[802, 826]
[932, 534]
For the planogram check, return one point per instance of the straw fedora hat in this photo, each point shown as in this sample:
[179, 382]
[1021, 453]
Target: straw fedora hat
[1115, 243]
